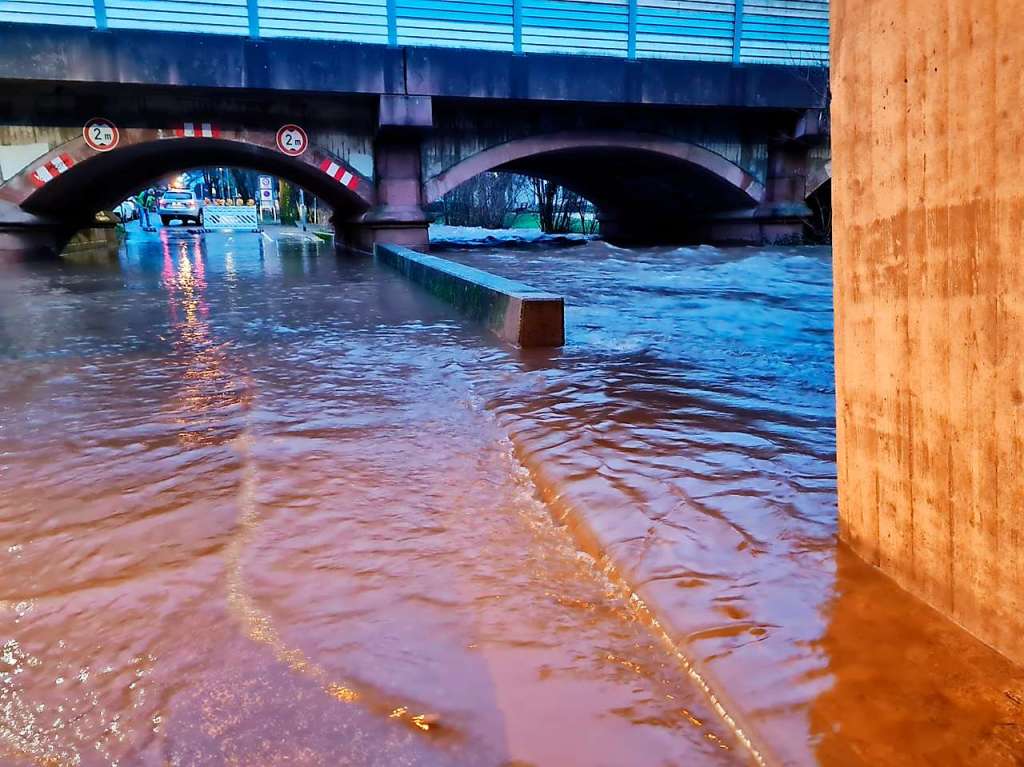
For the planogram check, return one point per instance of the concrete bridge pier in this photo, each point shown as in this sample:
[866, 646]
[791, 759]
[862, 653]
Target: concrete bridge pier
[780, 218]
[785, 208]
[398, 218]
[929, 301]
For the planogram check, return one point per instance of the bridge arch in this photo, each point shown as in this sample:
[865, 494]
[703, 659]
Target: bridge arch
[99, 180]
[637, 181]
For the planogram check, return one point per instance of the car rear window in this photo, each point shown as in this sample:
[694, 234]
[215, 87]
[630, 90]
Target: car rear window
[177, 196]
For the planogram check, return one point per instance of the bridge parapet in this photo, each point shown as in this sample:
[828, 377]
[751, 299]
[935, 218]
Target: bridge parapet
[738, 31]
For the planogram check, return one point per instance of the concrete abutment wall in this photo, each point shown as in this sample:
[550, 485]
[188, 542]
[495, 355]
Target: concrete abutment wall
[928, 145]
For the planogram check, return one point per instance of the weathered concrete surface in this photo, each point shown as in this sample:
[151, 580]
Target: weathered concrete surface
[398, 218]
[50, 53]
[929, 211]
[516, 312]
[464, 129]
[54, 113]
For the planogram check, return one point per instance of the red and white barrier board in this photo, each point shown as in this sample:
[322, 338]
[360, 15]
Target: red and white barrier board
[339, 174]
[197, 130]
[51, 170]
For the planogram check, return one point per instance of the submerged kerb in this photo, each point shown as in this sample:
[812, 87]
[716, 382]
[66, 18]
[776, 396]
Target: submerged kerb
[516, 312]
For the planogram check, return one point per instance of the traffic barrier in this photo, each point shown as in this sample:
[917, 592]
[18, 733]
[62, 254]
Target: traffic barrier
[231, 217]
[525, 316]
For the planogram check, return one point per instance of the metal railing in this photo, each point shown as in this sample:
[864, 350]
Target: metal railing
[740, 31]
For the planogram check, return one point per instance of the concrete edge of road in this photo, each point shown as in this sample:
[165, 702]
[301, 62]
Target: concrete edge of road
[529, 317]
[516, 312]
[590, 537]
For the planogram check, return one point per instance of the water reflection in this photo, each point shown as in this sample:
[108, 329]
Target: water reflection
[213, 389]
[909, 687]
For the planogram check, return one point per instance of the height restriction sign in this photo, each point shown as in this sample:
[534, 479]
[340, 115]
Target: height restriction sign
[292, 140]
[100, 134]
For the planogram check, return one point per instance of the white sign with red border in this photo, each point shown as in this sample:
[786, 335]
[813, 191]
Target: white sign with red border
[101, 134]
[292, 140]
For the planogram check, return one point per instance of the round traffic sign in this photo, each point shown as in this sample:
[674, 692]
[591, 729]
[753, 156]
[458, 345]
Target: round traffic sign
[292, 140]
[101, 134]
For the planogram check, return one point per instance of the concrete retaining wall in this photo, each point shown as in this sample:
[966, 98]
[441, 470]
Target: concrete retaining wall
[516, 312]
[928, 147]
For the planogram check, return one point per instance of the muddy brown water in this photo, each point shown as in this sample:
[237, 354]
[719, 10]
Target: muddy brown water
[260, 505]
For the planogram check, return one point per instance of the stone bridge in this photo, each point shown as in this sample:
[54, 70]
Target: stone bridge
[668, 151]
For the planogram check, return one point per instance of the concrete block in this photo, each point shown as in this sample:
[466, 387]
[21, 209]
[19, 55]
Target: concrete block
[517, 313]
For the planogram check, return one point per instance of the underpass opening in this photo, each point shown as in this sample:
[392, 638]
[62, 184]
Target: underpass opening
[103, 180]
[61, 192]
[645, 189]
[226, 198]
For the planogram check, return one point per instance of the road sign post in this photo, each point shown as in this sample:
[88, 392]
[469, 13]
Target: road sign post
[266, 196]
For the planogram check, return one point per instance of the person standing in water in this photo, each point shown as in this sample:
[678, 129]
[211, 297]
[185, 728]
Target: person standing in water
[145, 201]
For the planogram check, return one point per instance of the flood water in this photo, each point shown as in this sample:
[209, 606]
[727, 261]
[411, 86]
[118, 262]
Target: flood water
[262, 505]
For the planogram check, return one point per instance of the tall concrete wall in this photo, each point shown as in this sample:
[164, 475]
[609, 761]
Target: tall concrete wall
[928, 198]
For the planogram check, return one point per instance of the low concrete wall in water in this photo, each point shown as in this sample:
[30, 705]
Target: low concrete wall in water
[516, 312]
[101, 242]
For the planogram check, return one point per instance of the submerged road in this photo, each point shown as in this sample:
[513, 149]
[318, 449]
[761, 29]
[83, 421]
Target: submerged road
[263, 505]
[255, 511]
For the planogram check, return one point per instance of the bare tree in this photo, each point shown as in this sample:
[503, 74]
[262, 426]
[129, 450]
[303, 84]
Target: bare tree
[558, 206]
[486, 200]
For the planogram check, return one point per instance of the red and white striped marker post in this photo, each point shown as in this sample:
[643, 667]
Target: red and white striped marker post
[51, 170]
[197, 130]
[339, 174]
